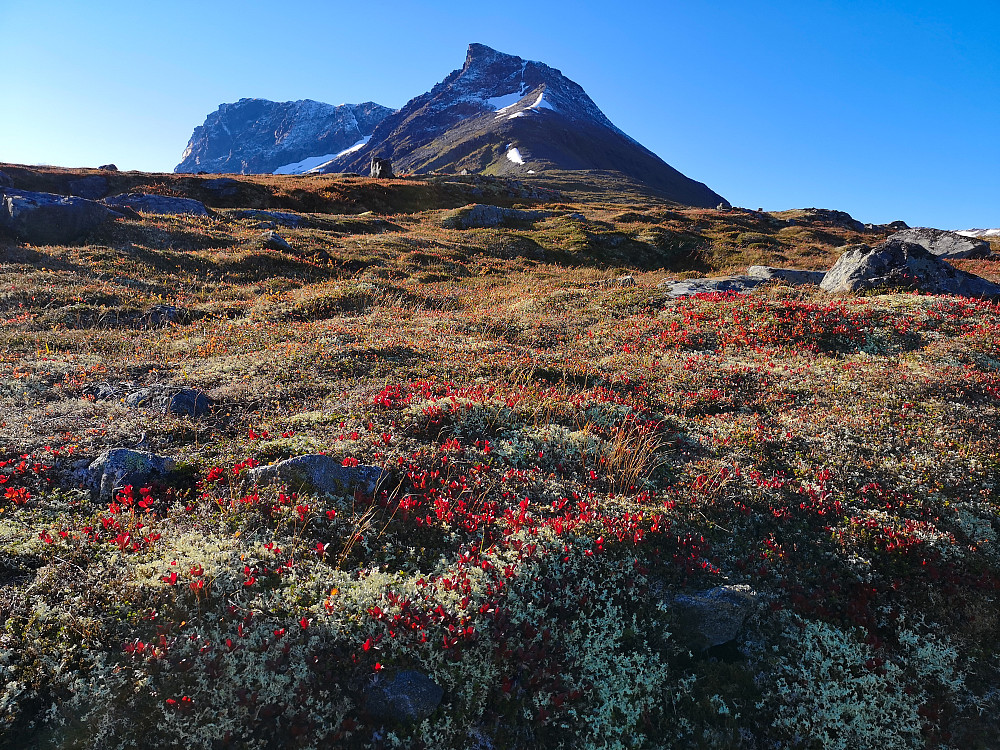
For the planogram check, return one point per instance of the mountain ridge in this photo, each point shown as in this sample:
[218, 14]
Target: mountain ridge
[253, 136]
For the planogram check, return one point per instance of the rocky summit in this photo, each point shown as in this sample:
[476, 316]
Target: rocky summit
[254, 136]
[500, 114]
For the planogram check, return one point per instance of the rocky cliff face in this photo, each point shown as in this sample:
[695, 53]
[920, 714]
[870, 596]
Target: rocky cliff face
[500, 114]
[254, 136]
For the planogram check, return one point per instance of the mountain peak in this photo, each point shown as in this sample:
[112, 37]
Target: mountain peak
[480, 53]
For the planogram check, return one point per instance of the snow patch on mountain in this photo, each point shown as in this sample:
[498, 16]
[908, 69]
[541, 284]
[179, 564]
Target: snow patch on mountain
[515, 156]
[979, 232]
[313, 163]
[305, 165]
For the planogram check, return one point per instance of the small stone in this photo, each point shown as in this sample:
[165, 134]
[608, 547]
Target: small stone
[108, 168]
[713, 617]
[407, 697]
[274, 241]
[160, 316]
[189, 402]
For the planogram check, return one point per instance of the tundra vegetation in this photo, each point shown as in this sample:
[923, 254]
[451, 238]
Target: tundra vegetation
[563, 455]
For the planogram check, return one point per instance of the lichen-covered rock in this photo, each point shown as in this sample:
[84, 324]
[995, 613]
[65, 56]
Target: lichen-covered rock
[691, 287]
[119, 467]
[945, 244]
[481, 216]
[714, 617]
[319, 473]
[158, 204]
[50, 219]
[789, 275]
[899, 264]
[406, 698]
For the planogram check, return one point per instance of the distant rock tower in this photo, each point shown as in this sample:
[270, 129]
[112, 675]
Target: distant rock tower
[381, 168]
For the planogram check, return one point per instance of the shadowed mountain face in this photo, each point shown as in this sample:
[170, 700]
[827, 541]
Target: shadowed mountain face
[500, 114]
[254, 136]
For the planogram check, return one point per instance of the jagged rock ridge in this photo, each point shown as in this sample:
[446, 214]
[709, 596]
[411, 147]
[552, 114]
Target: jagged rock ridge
[255, 136]
[500, 114]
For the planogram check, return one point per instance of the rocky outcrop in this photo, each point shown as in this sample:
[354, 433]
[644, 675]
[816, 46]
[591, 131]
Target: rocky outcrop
[479, 216]
[944, 244]
[319, 473]
[49, 219]
[148, 203]
[257, 136]
[896, 264]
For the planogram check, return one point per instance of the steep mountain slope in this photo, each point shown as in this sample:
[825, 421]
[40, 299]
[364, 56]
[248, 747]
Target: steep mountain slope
[500, 114]
[254, 136]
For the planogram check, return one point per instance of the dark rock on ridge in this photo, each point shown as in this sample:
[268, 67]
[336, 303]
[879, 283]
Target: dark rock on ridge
[381, 168]
[49, 219]
[899, 264]
[500, 114]
[257, 136]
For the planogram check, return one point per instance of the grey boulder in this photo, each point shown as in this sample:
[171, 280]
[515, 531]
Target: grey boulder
[690, 287]
[482, 216]
[714, 617]
[119, 467]
[108, 168]
[157, 204]
[319, 473]
[789, 275]
[944, 244]
[91, 187]
[899, 264]
[407, 697]
[50, 219]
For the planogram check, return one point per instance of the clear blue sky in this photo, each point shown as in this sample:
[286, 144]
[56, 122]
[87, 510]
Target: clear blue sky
[888, 110]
